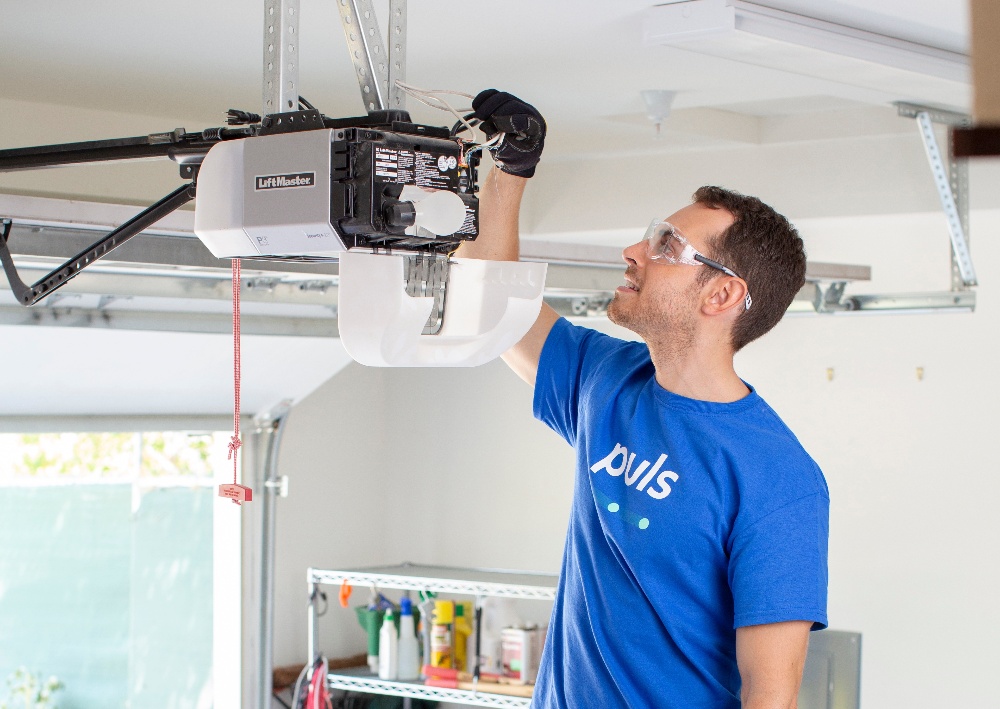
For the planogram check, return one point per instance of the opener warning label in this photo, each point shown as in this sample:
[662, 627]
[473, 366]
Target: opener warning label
[416, 167]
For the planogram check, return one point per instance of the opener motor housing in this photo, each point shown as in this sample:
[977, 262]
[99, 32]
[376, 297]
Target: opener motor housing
[319, 192]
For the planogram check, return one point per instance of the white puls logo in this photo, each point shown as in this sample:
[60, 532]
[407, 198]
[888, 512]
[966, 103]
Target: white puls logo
[621, 462]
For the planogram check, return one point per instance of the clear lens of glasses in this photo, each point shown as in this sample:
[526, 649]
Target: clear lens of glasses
[663, 243]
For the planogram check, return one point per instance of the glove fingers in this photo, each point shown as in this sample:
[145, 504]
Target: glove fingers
[522, 124]
[487, 102]
[481, 97]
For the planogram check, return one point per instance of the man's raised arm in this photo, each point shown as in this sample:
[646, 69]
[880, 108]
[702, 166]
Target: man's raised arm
[500, 206]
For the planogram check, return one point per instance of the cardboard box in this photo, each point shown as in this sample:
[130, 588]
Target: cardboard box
[985, 20]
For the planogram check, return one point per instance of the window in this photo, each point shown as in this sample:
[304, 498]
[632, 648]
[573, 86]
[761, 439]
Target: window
[106, 564]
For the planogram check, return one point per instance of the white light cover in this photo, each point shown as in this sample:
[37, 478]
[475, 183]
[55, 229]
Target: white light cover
[490, 306]
[678, 23]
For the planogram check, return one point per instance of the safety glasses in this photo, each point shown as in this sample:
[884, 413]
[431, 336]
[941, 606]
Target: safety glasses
[665, 244]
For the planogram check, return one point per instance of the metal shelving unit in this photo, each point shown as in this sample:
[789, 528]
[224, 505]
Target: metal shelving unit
[360, 680]
[441, 579]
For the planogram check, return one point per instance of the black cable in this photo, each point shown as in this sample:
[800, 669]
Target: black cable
[236, 117]
[470, 118]
[305, 104]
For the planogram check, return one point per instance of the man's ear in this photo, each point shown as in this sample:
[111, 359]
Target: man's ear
[727, 296]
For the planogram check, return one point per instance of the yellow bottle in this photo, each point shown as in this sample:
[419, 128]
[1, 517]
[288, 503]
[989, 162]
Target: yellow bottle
[463, 629]
[443, 635]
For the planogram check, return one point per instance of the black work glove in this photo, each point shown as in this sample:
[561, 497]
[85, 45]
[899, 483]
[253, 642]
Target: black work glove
[523, 127]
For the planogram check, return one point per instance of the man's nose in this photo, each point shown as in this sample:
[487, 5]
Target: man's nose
[634, 254]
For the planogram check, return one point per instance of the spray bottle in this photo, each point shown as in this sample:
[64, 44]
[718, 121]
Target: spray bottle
[388, 648]
[426, 622]
[409, 649]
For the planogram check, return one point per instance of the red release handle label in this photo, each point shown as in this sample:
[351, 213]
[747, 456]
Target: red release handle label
[237, 493]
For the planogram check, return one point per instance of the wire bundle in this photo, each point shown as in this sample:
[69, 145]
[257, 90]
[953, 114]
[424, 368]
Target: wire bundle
[433, 98]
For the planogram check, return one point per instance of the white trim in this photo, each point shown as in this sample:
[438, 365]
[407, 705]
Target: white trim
[116, 424]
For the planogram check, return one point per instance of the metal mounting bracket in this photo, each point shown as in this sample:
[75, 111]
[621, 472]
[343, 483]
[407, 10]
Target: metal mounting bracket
[425, 277]
[829, 298]
[281, 56]
[31, 294]
[951, 182]
[377, 69]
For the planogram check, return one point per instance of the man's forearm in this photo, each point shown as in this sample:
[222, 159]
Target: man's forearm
[771, 658]
[499, 213]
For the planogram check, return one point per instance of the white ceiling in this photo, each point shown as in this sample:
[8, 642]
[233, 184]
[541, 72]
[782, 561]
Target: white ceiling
[582, 62]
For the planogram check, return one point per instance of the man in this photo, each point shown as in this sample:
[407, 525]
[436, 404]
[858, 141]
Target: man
[696, 555]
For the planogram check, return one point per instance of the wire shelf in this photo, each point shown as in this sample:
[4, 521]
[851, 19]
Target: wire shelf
[360, 681]
[446, 579]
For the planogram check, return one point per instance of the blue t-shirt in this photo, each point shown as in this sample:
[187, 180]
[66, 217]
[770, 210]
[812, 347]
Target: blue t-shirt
[689, 519]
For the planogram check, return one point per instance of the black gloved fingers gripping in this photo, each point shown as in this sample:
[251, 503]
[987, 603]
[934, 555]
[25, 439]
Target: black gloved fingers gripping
[481, 98]
[523, 128]
[522, 125]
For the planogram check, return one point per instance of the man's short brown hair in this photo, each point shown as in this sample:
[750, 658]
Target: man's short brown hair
[765, 249]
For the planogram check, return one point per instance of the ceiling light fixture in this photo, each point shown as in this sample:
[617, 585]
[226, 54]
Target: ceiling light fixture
[658, 104]
[677, 22]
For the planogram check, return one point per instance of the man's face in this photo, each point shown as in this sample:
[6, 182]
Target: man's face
[662, 300]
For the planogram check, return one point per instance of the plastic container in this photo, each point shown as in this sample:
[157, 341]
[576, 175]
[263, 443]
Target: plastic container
[425, 623]
[408, 654]
[497, 614]
[371, 620]
[463, 631]
[443, 635]
[388, 648]
[522, 652]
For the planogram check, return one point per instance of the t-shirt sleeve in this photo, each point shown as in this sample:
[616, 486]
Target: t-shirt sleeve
[570, 355]
[778, 565]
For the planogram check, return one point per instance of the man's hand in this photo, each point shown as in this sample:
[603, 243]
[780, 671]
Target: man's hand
[523, 127]
[770, 658]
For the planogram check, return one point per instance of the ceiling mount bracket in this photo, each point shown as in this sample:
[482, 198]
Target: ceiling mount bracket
[377, 69]
[951, 182]
[829, 298]
[397, 53]
[281, 56]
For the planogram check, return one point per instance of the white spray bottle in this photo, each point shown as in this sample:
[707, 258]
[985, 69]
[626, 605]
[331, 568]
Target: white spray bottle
[388, 648]
[409, 646]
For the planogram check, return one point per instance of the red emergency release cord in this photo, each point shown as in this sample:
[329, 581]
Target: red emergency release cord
[236, 492]
[235, 442]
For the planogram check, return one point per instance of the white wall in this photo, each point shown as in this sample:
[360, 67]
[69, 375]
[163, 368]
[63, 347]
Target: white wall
[910, 465]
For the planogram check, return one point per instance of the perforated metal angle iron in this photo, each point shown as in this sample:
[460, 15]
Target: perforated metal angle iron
[364, 42]
[281, 56]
